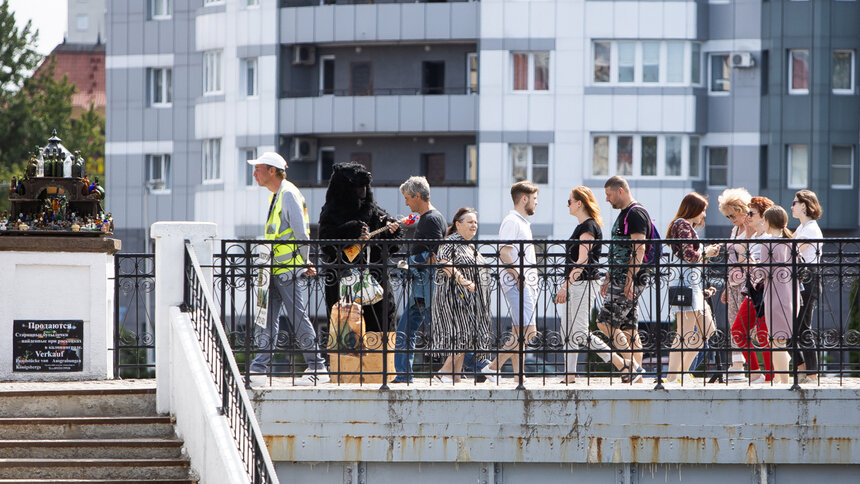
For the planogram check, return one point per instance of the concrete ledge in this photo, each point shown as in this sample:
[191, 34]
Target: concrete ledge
[59, 243]
[601, 426]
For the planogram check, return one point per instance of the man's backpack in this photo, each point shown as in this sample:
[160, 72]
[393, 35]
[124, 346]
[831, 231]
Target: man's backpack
[654, 249]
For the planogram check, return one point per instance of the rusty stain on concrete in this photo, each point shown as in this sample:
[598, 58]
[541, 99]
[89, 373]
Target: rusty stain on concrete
[281, 447]
[752, 454]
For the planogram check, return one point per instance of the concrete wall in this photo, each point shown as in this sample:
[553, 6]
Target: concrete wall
[689, 435]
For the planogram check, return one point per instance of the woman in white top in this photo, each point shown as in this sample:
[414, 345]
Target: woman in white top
[806, 208]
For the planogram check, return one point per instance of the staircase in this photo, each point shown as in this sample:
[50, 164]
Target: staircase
[87, 432]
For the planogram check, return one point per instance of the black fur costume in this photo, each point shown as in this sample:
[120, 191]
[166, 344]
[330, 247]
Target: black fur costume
[342, 217]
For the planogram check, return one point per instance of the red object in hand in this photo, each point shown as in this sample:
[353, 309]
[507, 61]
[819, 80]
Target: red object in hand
[411, 219]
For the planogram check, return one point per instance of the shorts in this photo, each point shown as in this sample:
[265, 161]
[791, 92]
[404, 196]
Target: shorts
[512, 295]
[618, 311]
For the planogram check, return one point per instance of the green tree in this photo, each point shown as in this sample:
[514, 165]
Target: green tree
[31, 107]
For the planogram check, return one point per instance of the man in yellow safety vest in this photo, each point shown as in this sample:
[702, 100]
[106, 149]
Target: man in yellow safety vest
[287, 221]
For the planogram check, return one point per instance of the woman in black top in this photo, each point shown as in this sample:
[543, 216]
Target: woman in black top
[582, 284]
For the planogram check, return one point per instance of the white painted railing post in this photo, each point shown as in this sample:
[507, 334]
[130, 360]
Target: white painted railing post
[170, 240]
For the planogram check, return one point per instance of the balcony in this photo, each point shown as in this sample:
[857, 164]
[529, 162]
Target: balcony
[380, 22]
[387, 112]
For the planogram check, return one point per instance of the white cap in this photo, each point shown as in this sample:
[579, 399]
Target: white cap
[270, 158]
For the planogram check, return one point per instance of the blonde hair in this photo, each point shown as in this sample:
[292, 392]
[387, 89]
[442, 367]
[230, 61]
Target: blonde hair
[589, 202]
[736, 199]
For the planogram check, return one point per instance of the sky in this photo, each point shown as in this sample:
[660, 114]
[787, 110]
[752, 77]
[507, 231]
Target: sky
[49, 16]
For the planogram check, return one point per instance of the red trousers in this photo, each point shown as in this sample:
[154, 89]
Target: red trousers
[741, 333]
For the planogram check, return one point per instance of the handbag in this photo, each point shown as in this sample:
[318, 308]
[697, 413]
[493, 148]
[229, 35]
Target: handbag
[360, 287]
[680, 295]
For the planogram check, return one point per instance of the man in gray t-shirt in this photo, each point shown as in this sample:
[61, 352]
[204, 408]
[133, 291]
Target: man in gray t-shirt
[431, 226]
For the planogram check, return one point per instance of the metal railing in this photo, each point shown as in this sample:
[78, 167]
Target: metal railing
[235, 404]
[701, 351]
[378, 91]
[134, 322]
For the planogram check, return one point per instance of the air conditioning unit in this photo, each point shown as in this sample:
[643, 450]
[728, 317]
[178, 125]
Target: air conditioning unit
[304, 55]
[303, 149]
[742, 59]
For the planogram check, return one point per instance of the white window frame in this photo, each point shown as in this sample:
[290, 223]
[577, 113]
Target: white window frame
[849, 91]
[246, 83]
[209, 3]
[796, 186]
[791, 89]
[850, 184]
[708, 166]
[636, 166]
[468, 175]
[322, 149]
[638, 65]
[530, 161]
[166, 75]
[321, 60]
[697, 60]
[212, 160]
[212, 72]
[168, 9]
[710, 78]
[469, 57]
[247, 173]
[530, 82]
[163, 159]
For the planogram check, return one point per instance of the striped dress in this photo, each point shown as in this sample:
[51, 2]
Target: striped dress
[461, 318]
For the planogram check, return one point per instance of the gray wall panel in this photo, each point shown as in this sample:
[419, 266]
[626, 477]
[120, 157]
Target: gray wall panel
[365, 23]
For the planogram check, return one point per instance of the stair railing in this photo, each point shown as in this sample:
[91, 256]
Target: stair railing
[235, 404]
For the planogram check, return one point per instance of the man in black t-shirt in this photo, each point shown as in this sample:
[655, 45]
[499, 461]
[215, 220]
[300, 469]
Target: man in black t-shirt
[431, 226]
[623, 284]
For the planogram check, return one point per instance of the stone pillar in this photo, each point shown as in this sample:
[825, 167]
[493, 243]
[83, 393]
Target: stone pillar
[170, 240]
[56, 295]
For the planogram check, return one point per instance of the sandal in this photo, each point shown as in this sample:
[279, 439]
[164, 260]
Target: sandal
[634, 376]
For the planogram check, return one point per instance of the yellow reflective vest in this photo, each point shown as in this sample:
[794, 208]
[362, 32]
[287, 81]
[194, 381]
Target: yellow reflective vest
[286, 256]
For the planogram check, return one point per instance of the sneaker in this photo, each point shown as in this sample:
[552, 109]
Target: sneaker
[759, 380]
[736, 375]
[312, 378]
[491, 375]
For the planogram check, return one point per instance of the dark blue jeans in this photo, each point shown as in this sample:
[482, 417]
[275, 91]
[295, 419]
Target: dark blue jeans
[417, 311]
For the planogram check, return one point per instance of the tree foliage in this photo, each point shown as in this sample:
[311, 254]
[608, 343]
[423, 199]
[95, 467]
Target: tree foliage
[31, 107]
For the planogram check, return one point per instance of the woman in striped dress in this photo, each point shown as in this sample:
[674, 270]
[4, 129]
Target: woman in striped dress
[460, 309]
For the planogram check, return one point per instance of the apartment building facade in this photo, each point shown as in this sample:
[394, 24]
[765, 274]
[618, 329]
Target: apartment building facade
[674, 95]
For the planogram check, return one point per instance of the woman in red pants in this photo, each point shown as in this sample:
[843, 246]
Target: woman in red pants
[748, 318]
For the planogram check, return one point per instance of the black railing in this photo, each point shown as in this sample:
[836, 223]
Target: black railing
[235, 404]
[134, 321]
[308, 3]
[376, 91]
[700, 351]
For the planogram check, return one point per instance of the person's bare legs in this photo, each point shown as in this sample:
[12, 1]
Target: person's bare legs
[685, 341]
[620, 340]
[512, 343]
[780, 362]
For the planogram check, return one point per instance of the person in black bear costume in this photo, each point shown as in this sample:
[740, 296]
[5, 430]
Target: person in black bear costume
[349, 212]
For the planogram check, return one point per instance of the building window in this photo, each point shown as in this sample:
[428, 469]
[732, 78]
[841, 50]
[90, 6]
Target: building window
[82, 22]
[361, 78]
[160, 82]
[212, 72]
[718, 166]
[472, 72]
[433, 167]
[672, 155]
[675, 62]
[530, 162]
[842, 167]
[647, 62]
[433, 77]
[252, 3]
[626, 62]
[531, 71]
[326, 163]
[694, 170]
[843, 72]
[720, 73]
[248, 76]
[602, 61]
[363, 158]
[798, 166]
[472, 163]
[696, 63]
[211, 160]
[798, 71]
[327, 74]
[158, 172]
[206, 3]
[645, 155]
[600, 156]
[650, 62]
[248, 169]
[159, 9]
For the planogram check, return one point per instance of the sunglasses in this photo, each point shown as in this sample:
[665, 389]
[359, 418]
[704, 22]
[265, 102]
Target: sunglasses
[731, 217]
[751, 213]
[795, 202]
[569, 201]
